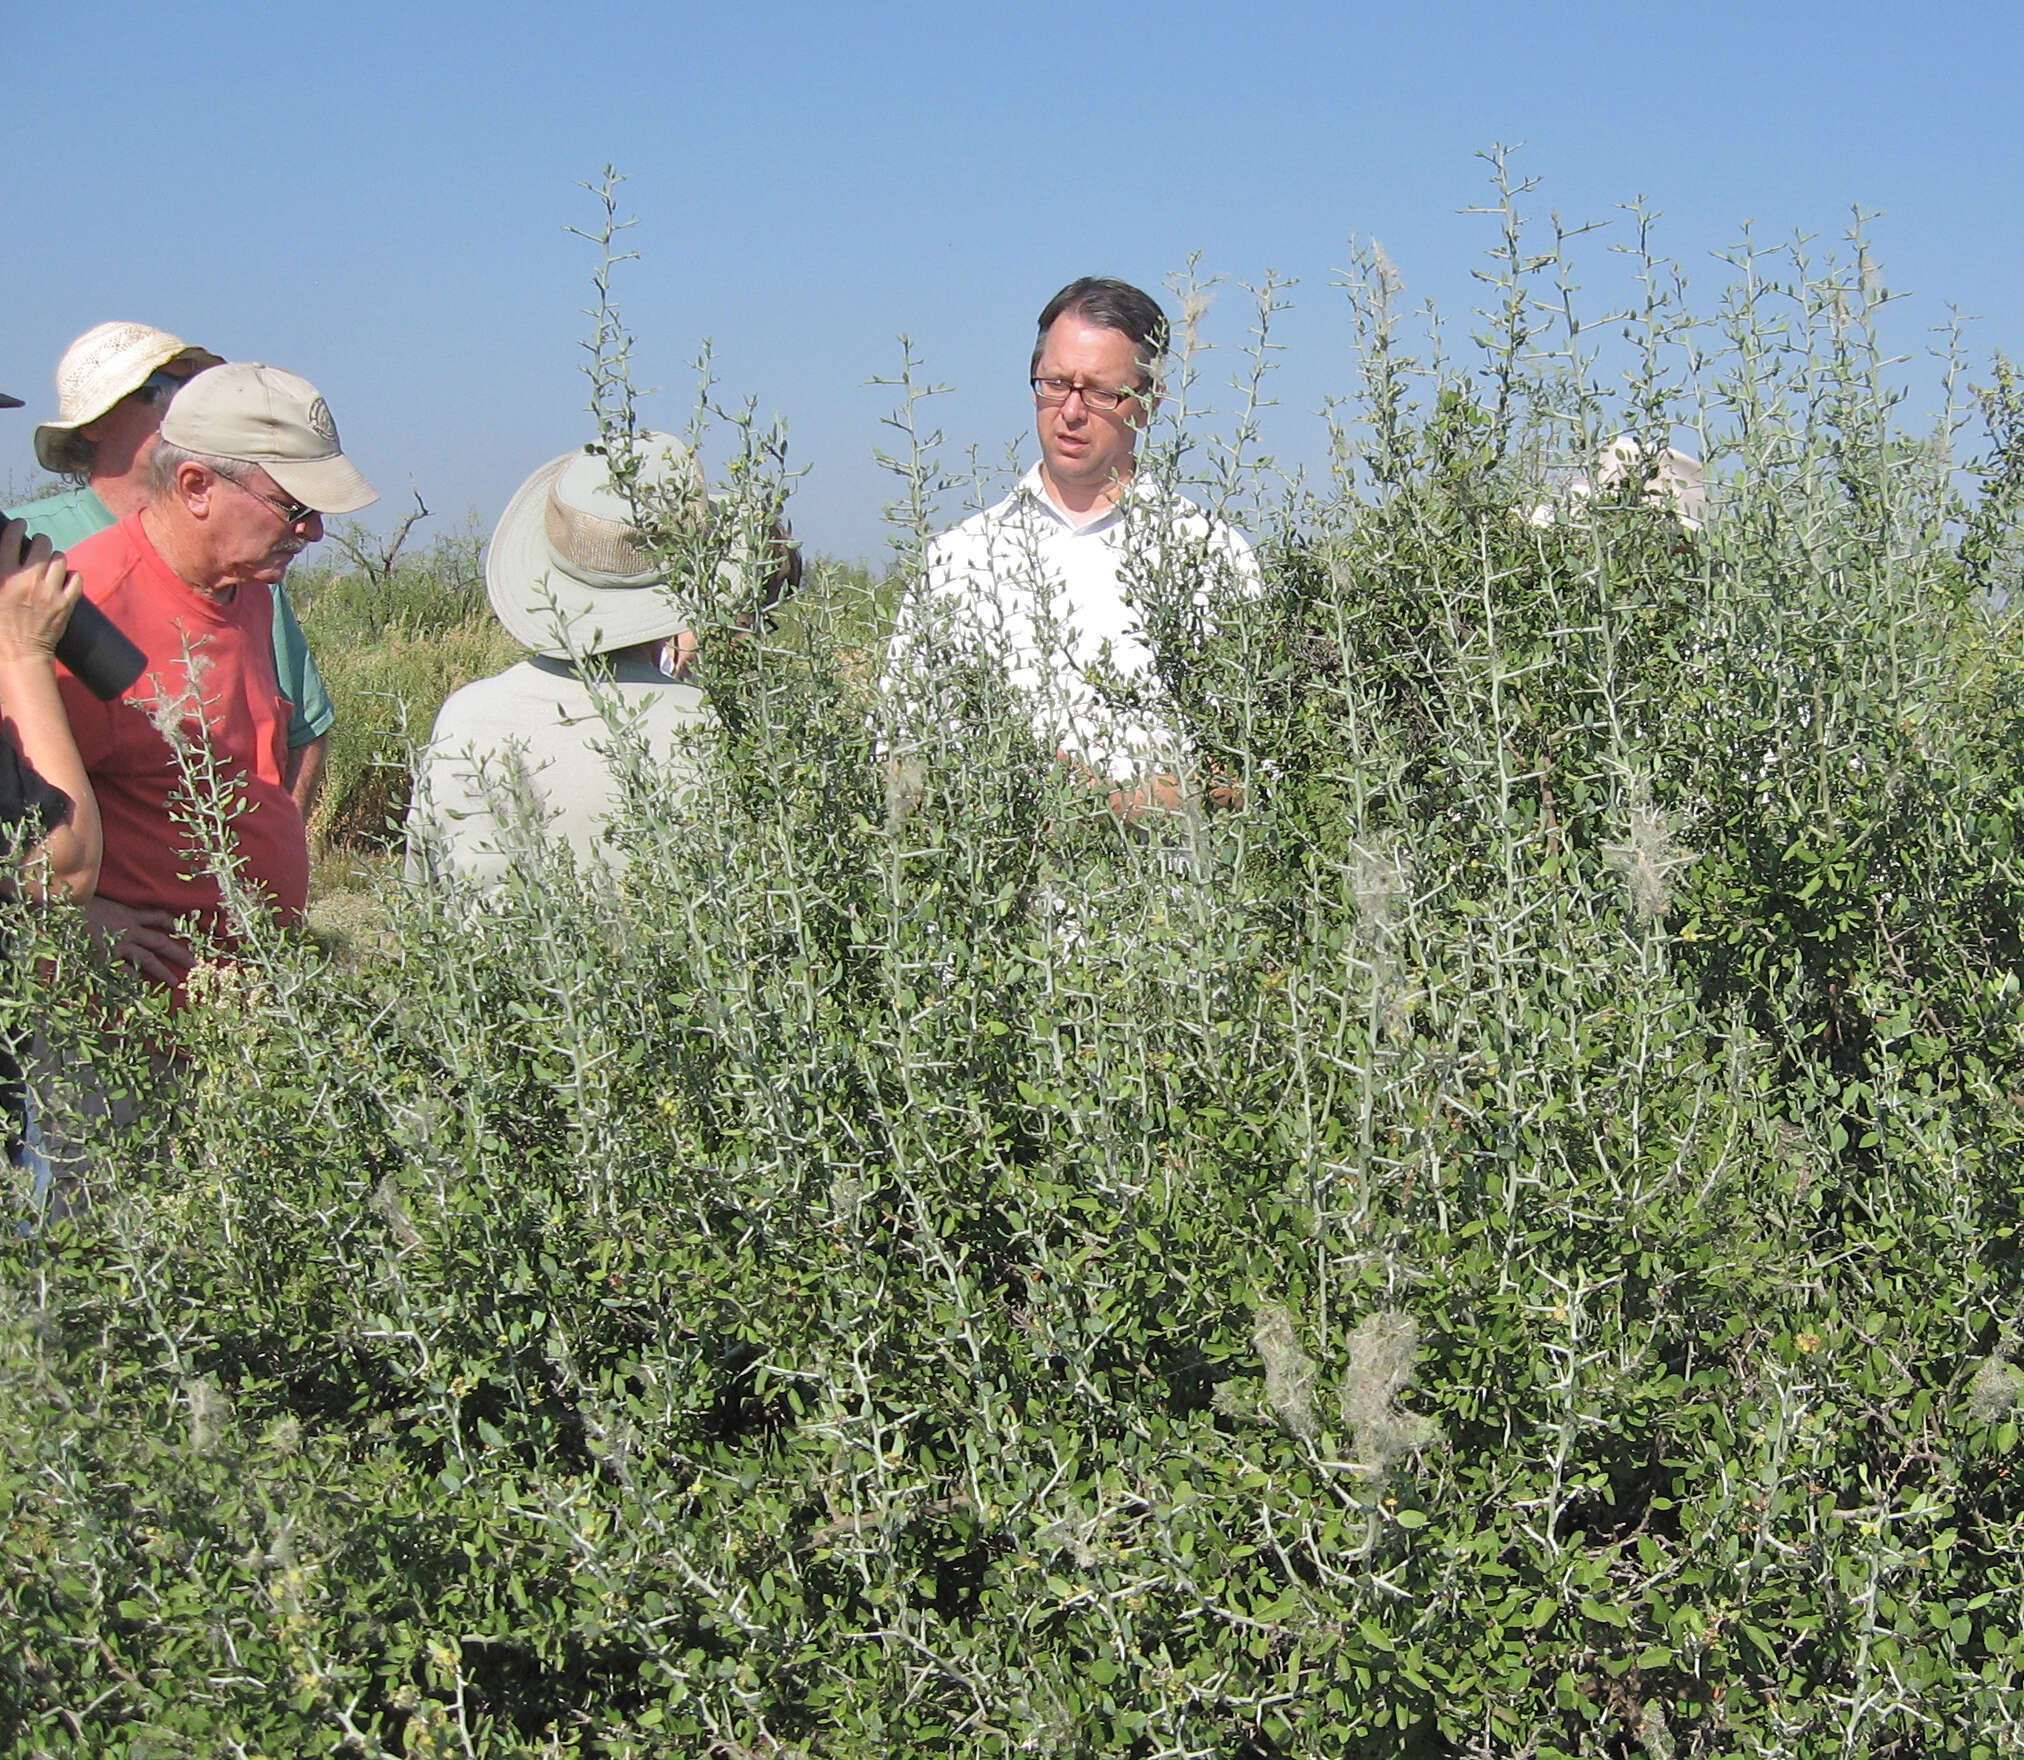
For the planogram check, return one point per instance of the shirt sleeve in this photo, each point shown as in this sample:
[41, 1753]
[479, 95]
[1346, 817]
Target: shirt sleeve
[1242, 560]
[30, 807]
[65, 520]
[295, 672]
[913, 668]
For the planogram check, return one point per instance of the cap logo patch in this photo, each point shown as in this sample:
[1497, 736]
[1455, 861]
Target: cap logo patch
[321, 424]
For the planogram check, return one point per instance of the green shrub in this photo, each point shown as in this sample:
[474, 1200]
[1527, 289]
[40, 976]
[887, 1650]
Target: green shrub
[394, 639]
[1503, 1243]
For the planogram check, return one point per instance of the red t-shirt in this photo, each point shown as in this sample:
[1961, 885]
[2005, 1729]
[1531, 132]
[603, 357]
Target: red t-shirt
[227, 647]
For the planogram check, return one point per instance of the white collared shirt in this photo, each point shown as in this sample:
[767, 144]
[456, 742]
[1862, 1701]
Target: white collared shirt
[1064, 609]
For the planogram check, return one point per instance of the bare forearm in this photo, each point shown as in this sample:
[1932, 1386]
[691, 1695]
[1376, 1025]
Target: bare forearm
[32, 711]
[304, 774]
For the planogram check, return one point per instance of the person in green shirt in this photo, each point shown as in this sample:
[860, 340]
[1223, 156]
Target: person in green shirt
[113, 386]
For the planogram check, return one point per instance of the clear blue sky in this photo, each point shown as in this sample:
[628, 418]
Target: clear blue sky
[375, 195]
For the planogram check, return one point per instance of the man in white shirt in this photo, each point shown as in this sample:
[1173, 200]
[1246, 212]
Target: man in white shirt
[1059, 582]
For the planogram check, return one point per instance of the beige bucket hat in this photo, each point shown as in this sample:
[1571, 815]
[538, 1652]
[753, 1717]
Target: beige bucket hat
[569, 572]
[256, 414]
[106, 363]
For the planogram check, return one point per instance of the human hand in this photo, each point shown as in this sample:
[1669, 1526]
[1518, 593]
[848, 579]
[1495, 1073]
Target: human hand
[142, 937]
[37, 594]
[678, 654]
[1223, 790]
[1157, 793]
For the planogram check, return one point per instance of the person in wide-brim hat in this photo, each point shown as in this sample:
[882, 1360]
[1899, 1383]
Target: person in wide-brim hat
[104, 367]
[570, 571]
[607, 577]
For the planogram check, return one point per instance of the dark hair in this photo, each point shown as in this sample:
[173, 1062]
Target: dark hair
[74, 455]
[1109, 305]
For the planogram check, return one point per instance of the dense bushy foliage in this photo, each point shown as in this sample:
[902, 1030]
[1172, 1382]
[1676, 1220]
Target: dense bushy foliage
[1503, 1242]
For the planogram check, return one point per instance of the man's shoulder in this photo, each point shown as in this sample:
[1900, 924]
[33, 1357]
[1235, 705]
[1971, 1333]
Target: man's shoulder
[486, 705]
[967, 533]
[110, 559]
[532, 701]
[1162, 501]
[1010, 537]
[1208, 533]
[66, 518]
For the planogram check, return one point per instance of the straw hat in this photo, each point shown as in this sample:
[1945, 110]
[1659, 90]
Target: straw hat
[106, 363]
[570, 573]
[257, 414]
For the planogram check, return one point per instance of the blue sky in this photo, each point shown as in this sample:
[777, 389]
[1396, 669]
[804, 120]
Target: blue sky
[376, 196]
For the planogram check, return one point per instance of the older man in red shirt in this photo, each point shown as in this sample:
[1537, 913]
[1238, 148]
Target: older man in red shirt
[247, 466]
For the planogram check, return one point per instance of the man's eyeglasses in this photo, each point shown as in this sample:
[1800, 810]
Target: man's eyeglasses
[291, 513]
[158, 387]
[1093, 396]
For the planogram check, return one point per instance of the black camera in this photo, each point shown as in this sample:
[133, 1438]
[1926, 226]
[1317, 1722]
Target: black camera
[97, 650]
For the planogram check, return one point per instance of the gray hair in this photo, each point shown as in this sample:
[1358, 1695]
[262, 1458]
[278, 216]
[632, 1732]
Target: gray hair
[168, 458]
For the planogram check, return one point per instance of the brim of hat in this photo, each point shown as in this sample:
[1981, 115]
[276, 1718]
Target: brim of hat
[554, 613]
[51, 438]
[7, 402]
[330, 485]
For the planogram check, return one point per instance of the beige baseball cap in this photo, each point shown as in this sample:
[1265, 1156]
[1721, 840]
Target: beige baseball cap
[257, 414]
[108, 362]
